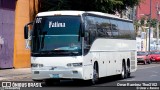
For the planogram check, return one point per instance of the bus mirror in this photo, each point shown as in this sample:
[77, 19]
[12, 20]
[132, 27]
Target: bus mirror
[26, 32]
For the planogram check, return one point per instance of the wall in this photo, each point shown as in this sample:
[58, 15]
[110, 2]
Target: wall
[144, 8]
[7, 13]
[24, 14]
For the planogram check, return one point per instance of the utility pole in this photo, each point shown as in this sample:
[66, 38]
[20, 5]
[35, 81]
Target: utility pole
[157, 25]
[150, 16]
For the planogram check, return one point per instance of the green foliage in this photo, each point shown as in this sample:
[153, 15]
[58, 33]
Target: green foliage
[141, 24]
[108, 6]
[50, 5]
[142, 20]
[153, 22]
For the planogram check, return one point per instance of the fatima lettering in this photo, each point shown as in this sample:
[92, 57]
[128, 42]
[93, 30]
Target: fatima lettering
[56, 24]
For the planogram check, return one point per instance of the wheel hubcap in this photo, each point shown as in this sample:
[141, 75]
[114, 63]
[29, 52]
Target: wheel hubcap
[95, 76]
[123, 72]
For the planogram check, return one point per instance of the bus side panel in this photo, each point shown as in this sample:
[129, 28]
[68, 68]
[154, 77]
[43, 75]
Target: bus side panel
[102, 64]
[112, 52]
[89, 61]
[87, 66]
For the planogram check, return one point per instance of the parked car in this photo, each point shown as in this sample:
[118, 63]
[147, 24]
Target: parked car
[143, 57]
[154, 56]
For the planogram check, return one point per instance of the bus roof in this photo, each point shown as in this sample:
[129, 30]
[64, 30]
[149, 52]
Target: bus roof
[51, 13]
[76, 13]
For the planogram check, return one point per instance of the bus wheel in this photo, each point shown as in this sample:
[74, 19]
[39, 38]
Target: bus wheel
[124, 71]
[95, 74]
[50, 82]
[128, 68]
[128, 71]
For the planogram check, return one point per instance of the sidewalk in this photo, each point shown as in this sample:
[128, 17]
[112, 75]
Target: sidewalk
[12, 74]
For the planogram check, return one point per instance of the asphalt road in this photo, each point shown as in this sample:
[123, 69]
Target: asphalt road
[149, 72]
[146, 73]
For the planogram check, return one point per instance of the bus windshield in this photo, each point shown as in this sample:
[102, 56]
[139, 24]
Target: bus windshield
[56, 35]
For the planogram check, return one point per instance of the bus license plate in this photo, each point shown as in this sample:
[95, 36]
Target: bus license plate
[55, 76]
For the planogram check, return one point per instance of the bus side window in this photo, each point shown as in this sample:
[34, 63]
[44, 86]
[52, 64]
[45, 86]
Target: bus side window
[86, 42]
[92, 36]
[86, 38]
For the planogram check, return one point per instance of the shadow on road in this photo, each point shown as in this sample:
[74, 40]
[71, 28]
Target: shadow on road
[148, 64]
[155, 62]
[107, 81]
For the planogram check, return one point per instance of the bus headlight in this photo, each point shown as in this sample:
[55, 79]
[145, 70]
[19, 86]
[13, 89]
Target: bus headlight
[74, 64]
[36, 65]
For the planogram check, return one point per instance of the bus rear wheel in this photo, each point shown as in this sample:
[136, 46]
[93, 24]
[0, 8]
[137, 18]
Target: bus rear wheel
[128, 72]
[128, 69]
[124, 71]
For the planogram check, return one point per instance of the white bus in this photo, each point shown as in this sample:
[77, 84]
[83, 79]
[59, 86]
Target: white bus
[81, 45]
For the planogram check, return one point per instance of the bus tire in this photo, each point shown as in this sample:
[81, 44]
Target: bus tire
[128, 69]
[95, 78]
[124, 71]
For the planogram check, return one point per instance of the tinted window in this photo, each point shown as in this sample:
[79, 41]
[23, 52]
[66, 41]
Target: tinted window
[105, 27]
[101, 25]
[131, 27]
[57, 25]
[125, 31]
[59, 34]
[115, 29]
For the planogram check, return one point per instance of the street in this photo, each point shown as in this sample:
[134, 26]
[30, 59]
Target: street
[149, 72]
[146, 73]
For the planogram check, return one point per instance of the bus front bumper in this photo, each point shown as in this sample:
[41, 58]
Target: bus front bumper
[75, 73]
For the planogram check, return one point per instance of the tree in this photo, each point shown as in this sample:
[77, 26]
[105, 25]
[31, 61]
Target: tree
[141, 24]
[107, 6]
[50, 5]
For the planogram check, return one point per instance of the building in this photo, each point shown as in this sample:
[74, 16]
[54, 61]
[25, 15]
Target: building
[14, 14]
[24, 13]
[129, 13]
[143, 12]
[144, 9]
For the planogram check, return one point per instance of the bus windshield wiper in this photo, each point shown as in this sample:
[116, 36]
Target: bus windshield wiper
[72, 52]
[57, 52]
[63, 52]
[54, 52]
